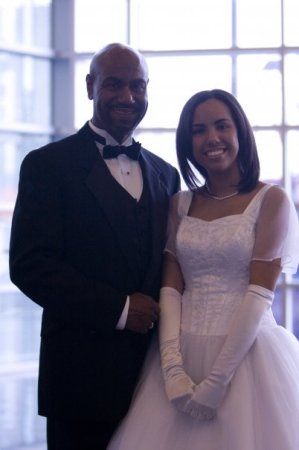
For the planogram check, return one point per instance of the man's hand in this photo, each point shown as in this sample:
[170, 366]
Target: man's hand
[143, 313]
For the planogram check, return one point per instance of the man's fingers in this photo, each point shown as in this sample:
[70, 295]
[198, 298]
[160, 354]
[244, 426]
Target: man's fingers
[143, 313]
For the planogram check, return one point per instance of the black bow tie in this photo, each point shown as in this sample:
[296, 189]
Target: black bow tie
[113, 151]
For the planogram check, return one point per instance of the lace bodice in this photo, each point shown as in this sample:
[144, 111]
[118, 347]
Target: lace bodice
[214, 258]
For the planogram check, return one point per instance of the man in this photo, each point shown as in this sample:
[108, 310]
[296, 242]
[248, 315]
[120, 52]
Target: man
[86, 243]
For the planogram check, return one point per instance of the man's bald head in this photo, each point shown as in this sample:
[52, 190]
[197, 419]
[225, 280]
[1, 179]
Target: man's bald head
[117, 84]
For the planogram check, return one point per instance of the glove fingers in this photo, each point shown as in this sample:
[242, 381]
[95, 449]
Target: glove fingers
[180, 402]
[198, 411]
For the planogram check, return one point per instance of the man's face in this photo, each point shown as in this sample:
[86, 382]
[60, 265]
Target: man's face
[117, 85]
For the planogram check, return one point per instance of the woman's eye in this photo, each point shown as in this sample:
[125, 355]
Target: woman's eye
[223, 126]
[198, 130]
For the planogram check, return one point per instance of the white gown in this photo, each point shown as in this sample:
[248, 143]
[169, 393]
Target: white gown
[261, 407]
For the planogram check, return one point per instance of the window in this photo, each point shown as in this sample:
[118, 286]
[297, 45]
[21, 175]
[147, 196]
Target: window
[25, 123]
[45, 50]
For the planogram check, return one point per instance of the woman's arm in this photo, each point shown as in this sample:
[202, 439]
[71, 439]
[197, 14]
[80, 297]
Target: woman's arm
[178, 385]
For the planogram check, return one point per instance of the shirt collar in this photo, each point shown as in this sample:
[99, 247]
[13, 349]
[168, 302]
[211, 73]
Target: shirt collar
[109, 139]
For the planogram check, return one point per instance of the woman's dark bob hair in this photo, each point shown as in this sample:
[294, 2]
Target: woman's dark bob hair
[247, 157]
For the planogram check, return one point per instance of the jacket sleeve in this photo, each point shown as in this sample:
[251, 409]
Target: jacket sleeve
[38, 266]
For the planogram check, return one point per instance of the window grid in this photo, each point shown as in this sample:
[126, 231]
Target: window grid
[63, 58]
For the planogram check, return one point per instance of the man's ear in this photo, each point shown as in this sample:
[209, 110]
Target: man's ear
[89, 86]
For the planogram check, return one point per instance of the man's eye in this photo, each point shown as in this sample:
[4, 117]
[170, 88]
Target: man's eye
[139, 87]
[112, 85]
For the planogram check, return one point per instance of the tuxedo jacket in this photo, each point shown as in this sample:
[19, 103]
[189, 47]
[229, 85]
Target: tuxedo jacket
[70, 254]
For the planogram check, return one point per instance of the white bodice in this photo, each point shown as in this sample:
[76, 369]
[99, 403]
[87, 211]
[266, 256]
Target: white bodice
[214, 258]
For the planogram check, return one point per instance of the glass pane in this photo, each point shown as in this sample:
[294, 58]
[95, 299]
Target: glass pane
[278, 307]
[5, 225]
[160, 143]
[83, 106]
[20, 426]
[25, 86]
[13, 148]
[296, 311]
[291, 89]
[179, 25]
[20, 322]
[291, 29]
[270, 149]
[26, 22]
[174, 79]
[258, 23]
[293, 162]
[287, 309]
[259, 88]
[99, 23]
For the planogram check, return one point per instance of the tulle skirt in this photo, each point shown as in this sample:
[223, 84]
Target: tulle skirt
[259, 412]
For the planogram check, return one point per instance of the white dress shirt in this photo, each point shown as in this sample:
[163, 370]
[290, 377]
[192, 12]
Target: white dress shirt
[126, 171]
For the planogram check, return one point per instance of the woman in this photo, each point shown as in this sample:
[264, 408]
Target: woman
[227, 377]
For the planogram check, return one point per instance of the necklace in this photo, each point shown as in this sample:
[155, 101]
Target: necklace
[217, 197]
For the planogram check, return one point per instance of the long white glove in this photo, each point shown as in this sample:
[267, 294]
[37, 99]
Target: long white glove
[243, 331]
[178, 385]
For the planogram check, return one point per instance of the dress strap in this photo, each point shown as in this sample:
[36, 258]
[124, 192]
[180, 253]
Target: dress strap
[184, 202]
[258, 198]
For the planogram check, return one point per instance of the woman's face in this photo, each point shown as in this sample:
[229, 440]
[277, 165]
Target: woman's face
[215, 137]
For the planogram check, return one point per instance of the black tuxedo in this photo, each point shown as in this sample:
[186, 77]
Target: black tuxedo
[71, 253]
